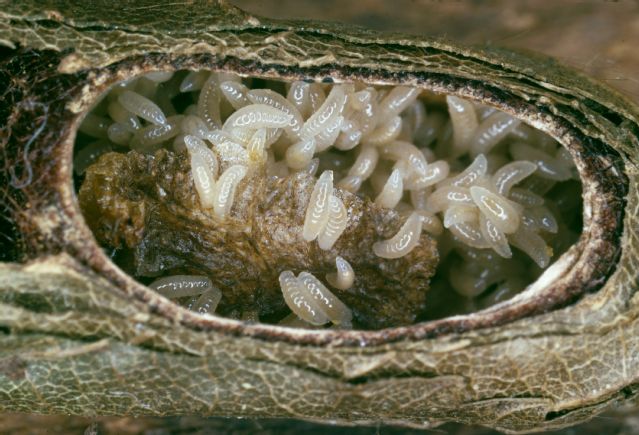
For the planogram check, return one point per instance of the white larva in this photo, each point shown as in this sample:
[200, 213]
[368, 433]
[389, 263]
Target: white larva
[435, 172]
[300, 154]
[235, 93]
[300, 301]
[208, 301]
[398, 99]
[224, 190]
[326, 138]
[317, 97]
[406, 151]
[344, 278]
[418, 198]
[318, 207]
[256, 116]
[273, 99]
[204, 168]
[469, 233]
[349, 137]
[393, 190]
[150, 138]
[430, 223]
[299, 96]
[142, 107]
[208, 104]
[447, 196]
[365, 163]
[368, 116]
[159, 76]
[464, 120]
[194, 126]
[471, 174]
[491, 131]
[336, 224]
[525, 197]
[330, 109]
[178, 286]
[119, 134]
[256, 146]
[406, 239]
[544, 219]
[496, 208]
[512, 173]
[533, 245]
[312, 167]
[494, 236]
[326, 301]
[385, 133]
[122, 116]
[547, 166]
[194, 81]
[351, 183]
[460, 213]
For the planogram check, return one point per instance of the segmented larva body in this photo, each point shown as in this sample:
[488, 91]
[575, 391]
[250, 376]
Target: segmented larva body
[311, 301]
[159, 76]
[119, 134]
[330, 109]
[273, 99]
[318, 209]
[256, 146]
[512, 173]
[344, 277]
[435, 172]
[208, 301]
[178, 286]
[204, 168]
[142, 107]
[300, 301]
[224, 190]
[496, 208]
[492, 130]
[327, 302]
[398, 99]
[235, 93]
[335, 225]
[123, 116]
[208, 103]
[299, 95]
[256, 116]
[471, 174]
[300, 154]
[151, 137]
[194, 81]
[403, 242]
[385, 133]
[464, 120]
[393, 190]
[547, 166]
[326, 138]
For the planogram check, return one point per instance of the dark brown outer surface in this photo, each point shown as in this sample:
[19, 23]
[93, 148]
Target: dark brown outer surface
[71, 341]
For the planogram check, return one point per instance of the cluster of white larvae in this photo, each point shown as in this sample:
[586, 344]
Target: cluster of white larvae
[468, 171]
